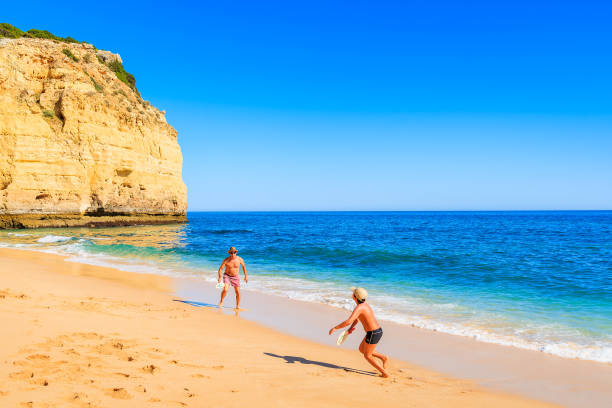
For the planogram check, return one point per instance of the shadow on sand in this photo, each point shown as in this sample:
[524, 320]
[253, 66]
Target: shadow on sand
[293, 359]
[198, 304]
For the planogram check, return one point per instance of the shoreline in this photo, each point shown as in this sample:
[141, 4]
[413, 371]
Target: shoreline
[525, 308]
[125, 263]
[530, 373]
[122, 341]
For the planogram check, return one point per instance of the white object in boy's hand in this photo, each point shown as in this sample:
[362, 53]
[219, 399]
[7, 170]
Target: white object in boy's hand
[342, 337]
[220, 285]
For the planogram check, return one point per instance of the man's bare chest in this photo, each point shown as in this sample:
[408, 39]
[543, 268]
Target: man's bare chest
[233, 265]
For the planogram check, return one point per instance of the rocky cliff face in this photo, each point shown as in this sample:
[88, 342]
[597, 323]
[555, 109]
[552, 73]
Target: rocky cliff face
[77, 145]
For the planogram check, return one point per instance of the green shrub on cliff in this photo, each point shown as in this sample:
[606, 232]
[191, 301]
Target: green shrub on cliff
[70, 55]
[122, 74]
[9, 31]
[96, 85]
[48, 113]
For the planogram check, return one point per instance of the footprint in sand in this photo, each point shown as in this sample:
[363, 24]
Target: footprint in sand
[188, 365]
[42, 382]
[78, 396]
[21, 375]
[38, 357]
[7, 293]
[200, 376]
[150, 369]
[72, 352]
[88, 336]
[120, 393]
[109, 348]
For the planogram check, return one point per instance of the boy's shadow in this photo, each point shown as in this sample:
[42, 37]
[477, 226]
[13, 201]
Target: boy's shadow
[293, 359]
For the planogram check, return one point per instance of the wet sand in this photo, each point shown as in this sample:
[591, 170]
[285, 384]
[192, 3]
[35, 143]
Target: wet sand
[85, 336]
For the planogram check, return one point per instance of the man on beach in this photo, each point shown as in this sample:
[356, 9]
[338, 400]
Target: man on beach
[363, 313]
[230, 277]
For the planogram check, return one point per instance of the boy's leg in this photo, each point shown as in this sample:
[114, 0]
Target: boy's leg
[237, 290]
[368, 350]
[362, 346]
[376, 354]
[382, 357]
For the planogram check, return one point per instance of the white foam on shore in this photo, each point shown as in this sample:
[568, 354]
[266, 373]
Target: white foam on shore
[47, 239]
[77, 254]
[405, 311]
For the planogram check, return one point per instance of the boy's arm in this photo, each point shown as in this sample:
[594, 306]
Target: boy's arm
[351, 320]
[220, 269]
[352, 328]
[246, 278]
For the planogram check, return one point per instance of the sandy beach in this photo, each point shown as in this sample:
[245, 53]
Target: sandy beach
[86, 336]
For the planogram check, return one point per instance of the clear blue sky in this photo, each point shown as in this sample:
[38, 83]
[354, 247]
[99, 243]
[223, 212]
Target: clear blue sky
[408, 105]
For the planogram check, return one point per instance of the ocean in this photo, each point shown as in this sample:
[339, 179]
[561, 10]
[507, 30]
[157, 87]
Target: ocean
[534, 280]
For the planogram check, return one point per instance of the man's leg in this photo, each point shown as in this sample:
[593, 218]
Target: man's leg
[223, 293]
[237, 290]
[368, 350]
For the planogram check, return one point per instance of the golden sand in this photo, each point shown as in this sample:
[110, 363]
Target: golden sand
[85, 336]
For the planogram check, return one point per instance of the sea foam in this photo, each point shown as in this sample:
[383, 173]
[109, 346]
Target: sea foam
[47, 239]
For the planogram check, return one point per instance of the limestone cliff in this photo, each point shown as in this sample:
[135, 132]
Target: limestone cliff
[78, 146]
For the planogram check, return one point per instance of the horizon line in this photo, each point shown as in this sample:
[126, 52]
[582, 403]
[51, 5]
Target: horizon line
[382, 211]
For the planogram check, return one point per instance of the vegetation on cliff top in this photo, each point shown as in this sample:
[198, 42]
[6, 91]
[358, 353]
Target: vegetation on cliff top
[9, 31]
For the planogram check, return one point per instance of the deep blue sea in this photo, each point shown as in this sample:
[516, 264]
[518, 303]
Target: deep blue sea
[536, 280]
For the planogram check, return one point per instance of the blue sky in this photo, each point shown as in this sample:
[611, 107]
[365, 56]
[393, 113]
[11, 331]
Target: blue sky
[422, 105]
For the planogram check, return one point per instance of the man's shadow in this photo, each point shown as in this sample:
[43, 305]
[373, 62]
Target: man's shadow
[293, 359]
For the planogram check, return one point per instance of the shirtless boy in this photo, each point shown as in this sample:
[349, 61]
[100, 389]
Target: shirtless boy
[232, 267]
[363, 313]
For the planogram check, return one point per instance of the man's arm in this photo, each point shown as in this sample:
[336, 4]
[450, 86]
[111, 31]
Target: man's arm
[351, 320]
[246, 278]
[220, 269]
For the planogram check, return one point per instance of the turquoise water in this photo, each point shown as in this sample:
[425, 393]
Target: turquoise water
[536, 280]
